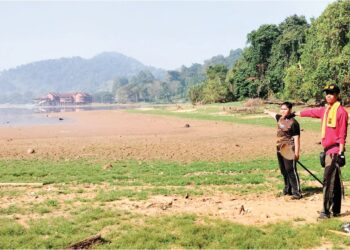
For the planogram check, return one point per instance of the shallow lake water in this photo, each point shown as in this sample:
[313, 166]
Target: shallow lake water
[19, 115]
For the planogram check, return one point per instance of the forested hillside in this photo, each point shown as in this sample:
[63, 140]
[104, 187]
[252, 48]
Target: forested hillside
[174, 87]
[109, 77]
[68, 74]
[292, 60]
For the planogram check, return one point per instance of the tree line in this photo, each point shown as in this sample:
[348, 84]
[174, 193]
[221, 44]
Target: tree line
[292, 60]
[174, 87]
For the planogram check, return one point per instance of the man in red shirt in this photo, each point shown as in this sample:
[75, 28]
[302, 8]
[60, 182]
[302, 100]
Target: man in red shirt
[334, 120]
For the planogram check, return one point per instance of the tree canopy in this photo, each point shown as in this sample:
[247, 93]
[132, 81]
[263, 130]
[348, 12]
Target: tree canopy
[291, 60]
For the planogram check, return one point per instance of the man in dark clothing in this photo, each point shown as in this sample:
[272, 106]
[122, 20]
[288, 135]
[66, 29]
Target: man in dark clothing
[288, 134]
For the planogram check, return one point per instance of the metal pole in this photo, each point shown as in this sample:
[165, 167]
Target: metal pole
[310, 173]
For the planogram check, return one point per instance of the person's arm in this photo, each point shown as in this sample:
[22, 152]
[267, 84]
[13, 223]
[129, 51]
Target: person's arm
[297, 146]
[343, 123]
[270, 113]
[313, 113]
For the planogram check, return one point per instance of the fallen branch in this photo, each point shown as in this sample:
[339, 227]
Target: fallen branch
[14, 184]
[87, 243]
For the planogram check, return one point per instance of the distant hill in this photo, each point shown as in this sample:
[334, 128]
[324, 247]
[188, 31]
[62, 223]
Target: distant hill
[228, 61]
[71, 74]
[104, 73]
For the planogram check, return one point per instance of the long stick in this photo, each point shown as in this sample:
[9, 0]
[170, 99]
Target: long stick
[20, 184]
[310, 173]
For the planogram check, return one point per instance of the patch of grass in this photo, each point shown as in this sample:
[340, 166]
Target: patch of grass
[185, 232]
[213, 112]
[45, 207]
[113, 195]
[11, 192]
[57, 232]
[157, 174]
[12, 209]
[129, 173]
[130, 231]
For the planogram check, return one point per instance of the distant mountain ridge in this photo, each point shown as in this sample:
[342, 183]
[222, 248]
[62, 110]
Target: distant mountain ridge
[104, 74]
[71, 74]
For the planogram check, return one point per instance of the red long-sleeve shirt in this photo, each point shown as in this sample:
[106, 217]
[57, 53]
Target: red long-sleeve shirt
[333, 135]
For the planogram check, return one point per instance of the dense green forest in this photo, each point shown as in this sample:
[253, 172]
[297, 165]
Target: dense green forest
[144, 87]
[292, 60]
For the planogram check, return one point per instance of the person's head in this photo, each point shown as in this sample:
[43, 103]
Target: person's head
[331, 93]
[286, 109]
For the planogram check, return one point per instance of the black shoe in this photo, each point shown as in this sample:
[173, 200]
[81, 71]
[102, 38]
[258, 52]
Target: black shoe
[279, 194]
[287, 192]
[296, 196]
[323, 216]
[336, 214]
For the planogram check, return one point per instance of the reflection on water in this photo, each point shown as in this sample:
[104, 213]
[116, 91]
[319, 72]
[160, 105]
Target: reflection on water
[31, 115]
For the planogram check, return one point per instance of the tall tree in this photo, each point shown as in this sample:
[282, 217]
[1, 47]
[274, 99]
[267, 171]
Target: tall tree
[216, 89]
[326, 54]
[286, 50]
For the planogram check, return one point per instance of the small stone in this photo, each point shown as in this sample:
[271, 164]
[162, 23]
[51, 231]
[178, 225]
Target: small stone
[30, 151]
[60, 119]
[187, 125]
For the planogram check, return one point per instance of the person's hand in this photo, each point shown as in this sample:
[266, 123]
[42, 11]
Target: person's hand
[296, 156]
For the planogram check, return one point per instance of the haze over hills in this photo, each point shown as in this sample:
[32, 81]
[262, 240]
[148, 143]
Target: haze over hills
[100, 73]
[71, 74]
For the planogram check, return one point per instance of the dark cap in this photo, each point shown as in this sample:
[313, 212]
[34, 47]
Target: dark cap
[331, 88]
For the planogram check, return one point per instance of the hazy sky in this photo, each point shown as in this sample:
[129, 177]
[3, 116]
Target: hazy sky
[164, 34]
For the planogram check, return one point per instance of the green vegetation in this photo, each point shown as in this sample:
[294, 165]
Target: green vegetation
[66, 212]
[144, 87]
[138, 180]
[186, 232]
[130, 231]
[133, 173]
[214, 112]
[291, 60]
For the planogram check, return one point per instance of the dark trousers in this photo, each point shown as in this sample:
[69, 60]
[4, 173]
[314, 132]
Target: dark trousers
[332, 186]
[290, 175]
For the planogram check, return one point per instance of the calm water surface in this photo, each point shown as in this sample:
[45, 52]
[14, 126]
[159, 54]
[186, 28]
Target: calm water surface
[19, 115]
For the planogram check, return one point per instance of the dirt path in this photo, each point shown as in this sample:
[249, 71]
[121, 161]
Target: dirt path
[249, 210]
[118, 135]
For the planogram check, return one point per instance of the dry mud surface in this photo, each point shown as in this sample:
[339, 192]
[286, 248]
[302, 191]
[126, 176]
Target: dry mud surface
[118, 135]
